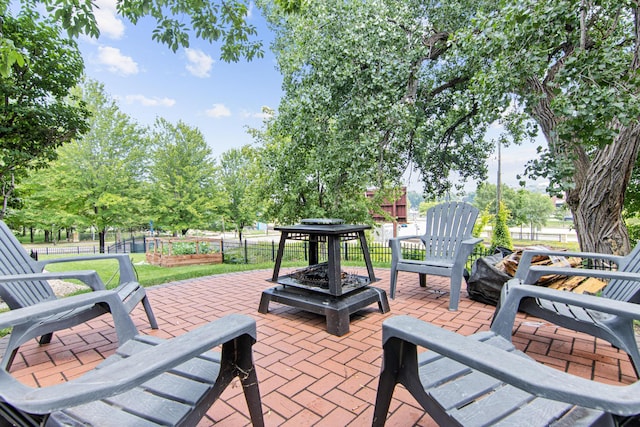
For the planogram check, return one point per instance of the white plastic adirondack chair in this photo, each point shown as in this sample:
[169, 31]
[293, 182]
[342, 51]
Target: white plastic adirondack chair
[447, 244]
[23, 284]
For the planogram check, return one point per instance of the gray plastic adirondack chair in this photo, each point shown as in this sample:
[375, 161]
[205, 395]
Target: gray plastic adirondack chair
[482, 380]
[23, 284]
[148, 381]
[609, 316]
[447, 242]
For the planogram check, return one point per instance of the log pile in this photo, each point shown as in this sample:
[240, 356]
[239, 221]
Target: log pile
[578, 284]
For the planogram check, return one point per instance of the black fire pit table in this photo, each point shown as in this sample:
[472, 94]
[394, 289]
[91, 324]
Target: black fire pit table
[323, 288]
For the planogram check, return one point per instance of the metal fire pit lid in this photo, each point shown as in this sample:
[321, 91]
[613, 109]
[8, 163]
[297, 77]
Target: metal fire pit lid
[322, 221]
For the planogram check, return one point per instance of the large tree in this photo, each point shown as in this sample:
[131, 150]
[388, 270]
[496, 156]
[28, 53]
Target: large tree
[573, 66]
[386, 82]
[100, 178]
[239, 181]
[183, 192]
[36, 116]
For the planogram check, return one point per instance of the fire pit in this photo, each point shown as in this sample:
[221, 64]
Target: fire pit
[323, 288]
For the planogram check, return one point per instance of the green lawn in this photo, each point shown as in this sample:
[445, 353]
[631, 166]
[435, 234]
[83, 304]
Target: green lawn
[149, 275]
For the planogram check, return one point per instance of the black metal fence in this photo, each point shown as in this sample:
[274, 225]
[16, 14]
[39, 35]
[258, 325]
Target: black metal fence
[265, 251]
[255, 252]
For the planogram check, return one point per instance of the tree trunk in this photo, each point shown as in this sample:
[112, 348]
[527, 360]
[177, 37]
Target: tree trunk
[102, 237]
[600, 179]
[598, 197]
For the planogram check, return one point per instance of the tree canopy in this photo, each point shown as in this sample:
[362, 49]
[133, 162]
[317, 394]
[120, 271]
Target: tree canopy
[36, 116]
[183, 178]
[377, 85]
[239, 179]
[176, 22]
[98, 178]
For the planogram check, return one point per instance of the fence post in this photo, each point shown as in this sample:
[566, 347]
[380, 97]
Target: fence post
[246, 252]
[273, 251]
[221, 249]
[346, 251]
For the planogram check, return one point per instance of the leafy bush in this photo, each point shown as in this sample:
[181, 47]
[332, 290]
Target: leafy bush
[189, 248]
[501, 236]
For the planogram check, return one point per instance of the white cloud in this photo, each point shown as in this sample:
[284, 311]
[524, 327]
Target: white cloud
[250, 10]
[116, 61]
[218, 110]
[199, 63]
[107, 19]
[149, 102]
[265, 113]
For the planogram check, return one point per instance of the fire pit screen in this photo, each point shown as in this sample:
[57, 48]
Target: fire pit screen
[317, 276]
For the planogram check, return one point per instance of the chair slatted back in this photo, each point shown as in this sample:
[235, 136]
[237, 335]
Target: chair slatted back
[626, 290]
[14, 259]
[448, 224]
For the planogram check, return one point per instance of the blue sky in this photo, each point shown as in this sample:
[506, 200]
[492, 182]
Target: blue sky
[149, 80]
[221, 99]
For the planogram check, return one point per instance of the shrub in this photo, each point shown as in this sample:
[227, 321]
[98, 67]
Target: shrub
[501, 236]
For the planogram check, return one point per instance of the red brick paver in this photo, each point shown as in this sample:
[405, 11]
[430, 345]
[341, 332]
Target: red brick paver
[307, 376]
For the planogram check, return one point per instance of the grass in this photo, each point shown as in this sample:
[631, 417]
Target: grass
[149, 275]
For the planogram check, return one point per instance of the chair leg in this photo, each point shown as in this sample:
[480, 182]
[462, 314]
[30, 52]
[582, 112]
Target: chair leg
[149, 311]
[393, 280]
[423, 280]
[454, 294]
[626, 341]
[249, 380]
[391, 366]
[7, 360]
[46, 338]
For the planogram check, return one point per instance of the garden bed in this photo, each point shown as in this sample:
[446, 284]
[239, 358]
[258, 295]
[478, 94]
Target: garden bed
[174, 251]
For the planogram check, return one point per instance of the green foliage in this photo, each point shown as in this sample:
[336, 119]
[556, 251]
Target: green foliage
[36, 116]
[525, 207]
[633, 226]
[189, 248]
[414, 198]
[483, 220]
[501, 237]
[299, 180]
[182, 175]
[176, 21]
[238, 178]
[366, 90]
[374, 85]
[423, 207]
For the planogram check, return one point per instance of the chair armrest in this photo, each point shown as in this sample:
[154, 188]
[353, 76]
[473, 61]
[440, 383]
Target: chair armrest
[536, 272]
[396, 247]
[126, 373]
[521, 372]
[88, 277]
[472, 241]
[127, 274]
[123, 323]
[514, 291]
[466, 247]
[525, 259]
[395, 241]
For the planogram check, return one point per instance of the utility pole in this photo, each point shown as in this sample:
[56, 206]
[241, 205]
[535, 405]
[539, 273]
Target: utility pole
[499, 185]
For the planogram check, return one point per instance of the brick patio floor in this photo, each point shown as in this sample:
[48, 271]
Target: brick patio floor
[307, 376]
